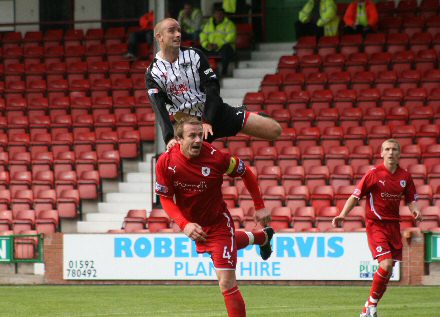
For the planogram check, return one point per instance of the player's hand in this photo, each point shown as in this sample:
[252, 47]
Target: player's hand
[417, 215]
[171, 143]
[207, 130]
[195, 232]
[337, 221]
[263, 216]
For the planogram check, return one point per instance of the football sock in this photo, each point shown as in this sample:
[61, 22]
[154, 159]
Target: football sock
[245, 238]
[380, 282]
[234, 302]
[260, 237]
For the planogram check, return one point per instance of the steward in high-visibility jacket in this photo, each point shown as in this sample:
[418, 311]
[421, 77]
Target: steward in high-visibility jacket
[219, 34]
[328, 17]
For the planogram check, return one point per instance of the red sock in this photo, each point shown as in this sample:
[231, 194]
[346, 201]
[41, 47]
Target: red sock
[380, 282]
[242, 239]
[234, 302]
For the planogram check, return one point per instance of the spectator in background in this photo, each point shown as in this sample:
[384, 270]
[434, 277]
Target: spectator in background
[218, 37]
[144, 35]
[190, 20]
[318, 17]
[361, 17]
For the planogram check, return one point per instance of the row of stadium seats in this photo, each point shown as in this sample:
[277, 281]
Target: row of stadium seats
[295, 218]
[99, 87]
[70, 35]
[42, 69]
[17, 105]
[373, 43]
[425, 62]
[43, 221]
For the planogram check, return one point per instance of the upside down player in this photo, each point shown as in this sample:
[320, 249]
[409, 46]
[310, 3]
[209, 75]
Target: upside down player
[192, 172]
[384, 186]
[181, 83]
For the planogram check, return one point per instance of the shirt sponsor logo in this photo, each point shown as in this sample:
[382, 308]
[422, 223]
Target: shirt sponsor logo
[153, 91]
[178, 89]
[206, 171]
[161, 188]
[403, 183]
[200, 187]
[390, 196]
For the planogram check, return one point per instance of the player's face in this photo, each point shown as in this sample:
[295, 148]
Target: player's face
[170, 34]
[191, 142]
[390, 153]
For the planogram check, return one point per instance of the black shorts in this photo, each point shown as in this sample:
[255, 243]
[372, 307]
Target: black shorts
[228, 121]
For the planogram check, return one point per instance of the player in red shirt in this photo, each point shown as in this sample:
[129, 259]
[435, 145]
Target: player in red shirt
[384, 186]
[189, 179]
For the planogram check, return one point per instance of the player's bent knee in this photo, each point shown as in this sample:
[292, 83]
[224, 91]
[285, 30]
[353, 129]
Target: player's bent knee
[226, 284]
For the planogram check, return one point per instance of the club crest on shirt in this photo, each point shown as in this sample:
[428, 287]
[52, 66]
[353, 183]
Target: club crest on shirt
[206, 171]
[379, 249]
[403, 183]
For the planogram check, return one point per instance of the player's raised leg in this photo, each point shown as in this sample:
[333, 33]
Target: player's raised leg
[228, 286]
[261, 127]
[261, 238]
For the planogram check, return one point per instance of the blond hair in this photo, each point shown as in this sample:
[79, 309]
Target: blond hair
[179, 125]
[391, 141]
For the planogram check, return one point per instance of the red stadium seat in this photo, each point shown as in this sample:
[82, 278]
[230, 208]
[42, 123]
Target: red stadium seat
[47, 221]
[303, 218]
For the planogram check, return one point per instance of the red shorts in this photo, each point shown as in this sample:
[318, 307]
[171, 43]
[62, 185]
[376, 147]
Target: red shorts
[384, 239]
[220, 244]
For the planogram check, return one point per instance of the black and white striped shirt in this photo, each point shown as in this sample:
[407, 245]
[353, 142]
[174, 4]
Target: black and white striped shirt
[188, 85]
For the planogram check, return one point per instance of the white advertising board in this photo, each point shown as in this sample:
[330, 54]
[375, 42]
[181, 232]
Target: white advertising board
[298, 256]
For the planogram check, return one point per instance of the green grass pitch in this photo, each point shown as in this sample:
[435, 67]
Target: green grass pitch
[200, 300]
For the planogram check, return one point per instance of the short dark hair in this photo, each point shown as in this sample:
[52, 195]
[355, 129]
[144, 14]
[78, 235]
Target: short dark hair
[179, 125]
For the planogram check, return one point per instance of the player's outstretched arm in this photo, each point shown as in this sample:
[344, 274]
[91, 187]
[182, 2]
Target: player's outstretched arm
[415, 210]
[349, 205]
[262, 215]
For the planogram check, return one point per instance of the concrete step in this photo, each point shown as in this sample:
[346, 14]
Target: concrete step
[269, 55]
[138, 177]
[144, 167]
[97, 227]
[132, 187]
[252, 72]
[119, 208]
[234, 93]
[284, 46]
[103, 217]
[233, 101]
[258, 64]
[249, 83]
[127, 197]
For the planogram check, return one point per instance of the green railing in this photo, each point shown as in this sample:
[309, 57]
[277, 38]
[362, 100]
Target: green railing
[21, 248]
[432, 247]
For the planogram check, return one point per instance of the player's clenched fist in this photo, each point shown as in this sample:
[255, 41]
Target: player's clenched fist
[263, 216]
[195, 232]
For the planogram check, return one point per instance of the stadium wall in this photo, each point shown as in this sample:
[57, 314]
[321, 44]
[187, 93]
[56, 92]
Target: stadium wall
[412, 267]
